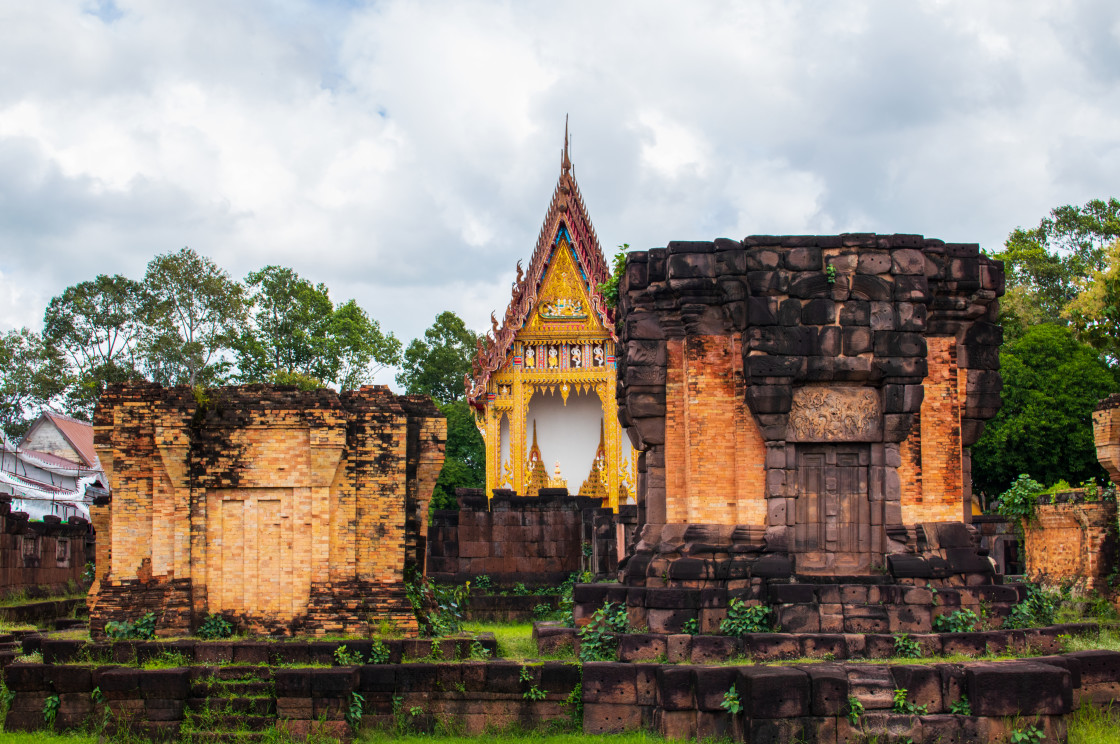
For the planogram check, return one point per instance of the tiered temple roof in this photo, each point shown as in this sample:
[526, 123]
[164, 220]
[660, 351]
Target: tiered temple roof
[566, 218]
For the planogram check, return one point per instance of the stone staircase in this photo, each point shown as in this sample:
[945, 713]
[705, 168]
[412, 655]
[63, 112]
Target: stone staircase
[229, 704]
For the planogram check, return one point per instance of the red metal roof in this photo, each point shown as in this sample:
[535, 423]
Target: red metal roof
[78, 433]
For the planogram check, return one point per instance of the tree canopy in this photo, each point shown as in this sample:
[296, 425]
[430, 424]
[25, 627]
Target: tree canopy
[1051, 384]
[198, 310]
[34, 373]
[437, 364]
[1048, 266]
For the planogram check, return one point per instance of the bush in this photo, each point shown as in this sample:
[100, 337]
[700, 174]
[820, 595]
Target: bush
[439, 609]
[215, 626]
[742, 619]
[596, 642]
[143, 629]
[960, 621]
[1037, 610]
[1019, 502]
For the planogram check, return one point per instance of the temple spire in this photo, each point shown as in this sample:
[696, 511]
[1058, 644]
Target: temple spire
[565, 162]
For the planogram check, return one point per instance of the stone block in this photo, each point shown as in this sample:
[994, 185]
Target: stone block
[610, 718]
[609, 682]
[679, 648]
[828, 684]
[712, 683]
[1018, 688]
[774, 692]
[642, 647]
[922, 683]
[675, 687]
[708, 649]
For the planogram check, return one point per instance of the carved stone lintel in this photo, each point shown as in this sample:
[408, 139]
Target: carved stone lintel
[835, 414]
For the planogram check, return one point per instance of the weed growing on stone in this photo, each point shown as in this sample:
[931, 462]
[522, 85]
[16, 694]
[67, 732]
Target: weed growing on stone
[958, 621]
[1029, 734]
[961, 707]
[742, 619]
[596, 642]
[167, 660]
[904, 706]
[731, 702]
[906, 647]
[143, 629]
[214, 627]
[855, 710]
[691, 626]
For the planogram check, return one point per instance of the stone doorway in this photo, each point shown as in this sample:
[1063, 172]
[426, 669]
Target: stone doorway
[832, 530]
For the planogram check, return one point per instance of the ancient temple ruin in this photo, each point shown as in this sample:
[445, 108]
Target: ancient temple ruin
[284, 510]
[803, 407]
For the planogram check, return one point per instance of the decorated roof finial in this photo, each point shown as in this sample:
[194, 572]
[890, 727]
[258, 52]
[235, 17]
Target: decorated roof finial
[565, 162]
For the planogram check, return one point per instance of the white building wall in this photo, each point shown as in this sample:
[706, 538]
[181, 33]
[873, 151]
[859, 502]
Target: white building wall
[568, 433]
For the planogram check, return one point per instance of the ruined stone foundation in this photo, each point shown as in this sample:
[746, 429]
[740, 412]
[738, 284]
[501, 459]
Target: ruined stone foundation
[803, 407]
[285, 511]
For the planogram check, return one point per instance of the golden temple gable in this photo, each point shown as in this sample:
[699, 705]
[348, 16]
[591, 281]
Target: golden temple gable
[543, 382]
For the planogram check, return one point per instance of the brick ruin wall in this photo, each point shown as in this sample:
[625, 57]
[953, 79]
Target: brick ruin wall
[43, 558]
[532, 540]
[1072, 541]
[283, 510]
[750, 368]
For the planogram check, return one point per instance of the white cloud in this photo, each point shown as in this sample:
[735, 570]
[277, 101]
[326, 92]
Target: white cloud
[404, 153]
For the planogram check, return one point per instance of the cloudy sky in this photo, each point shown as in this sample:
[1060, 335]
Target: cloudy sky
[404, 152]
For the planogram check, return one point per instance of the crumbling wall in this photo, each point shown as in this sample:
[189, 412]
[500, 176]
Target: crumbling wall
[283, 509]
[818, 389]
[1072, 541]
[45, 557]
[533, 540]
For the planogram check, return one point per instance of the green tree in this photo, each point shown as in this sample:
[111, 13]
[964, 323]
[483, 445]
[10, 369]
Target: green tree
[360, 347]
[288, 329]
[98, 326]
[1049, 265]
[1051, 384]
[464, 463]
[1095, 312]
[198, 311]
[295, 330]
[437, 364]
[34, 372]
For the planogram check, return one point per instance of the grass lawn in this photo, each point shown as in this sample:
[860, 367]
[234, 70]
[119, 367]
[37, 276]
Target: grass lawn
[515, 640]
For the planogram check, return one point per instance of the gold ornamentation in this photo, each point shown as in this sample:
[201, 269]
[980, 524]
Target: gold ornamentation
[831, 414]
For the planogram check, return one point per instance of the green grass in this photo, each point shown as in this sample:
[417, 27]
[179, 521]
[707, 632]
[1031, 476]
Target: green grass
[42, 737]
[515, 640]
[375, 737]
[1091, 725]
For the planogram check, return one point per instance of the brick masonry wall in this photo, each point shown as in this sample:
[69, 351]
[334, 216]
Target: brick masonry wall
[529, 540]
[284, 510]
[50, 555]
[1072, 541]
[714, 455]
[853, 369]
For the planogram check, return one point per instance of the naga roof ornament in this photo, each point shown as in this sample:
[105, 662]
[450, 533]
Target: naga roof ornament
[565, 220]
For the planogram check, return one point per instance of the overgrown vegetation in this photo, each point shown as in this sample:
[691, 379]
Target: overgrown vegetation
[215, 627]
[143, 629]
[1036, 610]
[958, 621]
[743, 618]
[609, 288]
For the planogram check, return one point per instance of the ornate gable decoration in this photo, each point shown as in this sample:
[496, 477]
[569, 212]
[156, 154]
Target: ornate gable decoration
[559, 292]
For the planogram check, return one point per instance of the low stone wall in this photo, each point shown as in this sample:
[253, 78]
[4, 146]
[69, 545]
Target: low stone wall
[49, 555]
[68, 651]
[1072, 541]
[682, 648]
[802, 608]
[806, 702]
[810, 702]
[509, 607]
[470, 696]
[537, 540]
